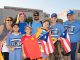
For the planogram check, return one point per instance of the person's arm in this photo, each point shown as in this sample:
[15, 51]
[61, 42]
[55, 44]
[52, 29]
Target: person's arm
[1, 28]
[8, 43]
[23, 53]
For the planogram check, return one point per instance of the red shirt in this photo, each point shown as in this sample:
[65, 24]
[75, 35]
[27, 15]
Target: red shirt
[31, 47]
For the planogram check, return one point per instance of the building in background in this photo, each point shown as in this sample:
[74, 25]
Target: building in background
[13, 11]
[62, 15]
[77, 14]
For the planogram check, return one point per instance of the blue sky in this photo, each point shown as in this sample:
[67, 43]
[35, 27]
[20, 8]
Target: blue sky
[49, 6]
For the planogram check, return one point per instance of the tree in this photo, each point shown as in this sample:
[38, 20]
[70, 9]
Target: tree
[29, 19]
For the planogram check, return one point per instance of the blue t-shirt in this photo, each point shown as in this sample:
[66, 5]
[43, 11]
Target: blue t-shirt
[22, 27]
[57, 30]
[14, 40]
[35, 26]
[73, 30]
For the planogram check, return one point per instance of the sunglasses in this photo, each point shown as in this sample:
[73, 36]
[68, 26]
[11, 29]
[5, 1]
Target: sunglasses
[8, 20]
[36, 15]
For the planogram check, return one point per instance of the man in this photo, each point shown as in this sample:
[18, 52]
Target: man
[73, 27]
[4, 31]
[36, 23]
[56, 31]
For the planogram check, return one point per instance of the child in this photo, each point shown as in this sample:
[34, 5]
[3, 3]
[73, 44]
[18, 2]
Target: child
[43, 30]
[57, 30]
[30, 45]
[13, 43]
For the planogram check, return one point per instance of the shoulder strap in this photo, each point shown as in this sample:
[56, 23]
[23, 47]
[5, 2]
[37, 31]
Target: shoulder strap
[32, 23]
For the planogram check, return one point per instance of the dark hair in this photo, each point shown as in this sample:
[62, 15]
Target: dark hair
[14, 25]
[10, 18]
[46, 21]
[36, 13]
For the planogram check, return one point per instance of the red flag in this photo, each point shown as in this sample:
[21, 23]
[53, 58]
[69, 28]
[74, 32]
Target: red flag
[65, 41]
[31, 47]
[47, 43]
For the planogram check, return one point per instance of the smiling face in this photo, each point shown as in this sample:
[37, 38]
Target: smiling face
[46, 24]
[8, 21]
[36, 17]
[22, 18]
[71, 17]
[15, 28]
[53, 20]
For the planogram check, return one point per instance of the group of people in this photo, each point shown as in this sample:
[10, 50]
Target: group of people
[15, 38]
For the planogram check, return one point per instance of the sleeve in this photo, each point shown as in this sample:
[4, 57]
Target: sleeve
[8, 40]
[38, 32]
[62, 29]
[65, 25]
[22, 39]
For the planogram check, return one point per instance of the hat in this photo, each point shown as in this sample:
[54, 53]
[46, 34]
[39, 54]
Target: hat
[36, 13]
[70, 12]
[54, 15]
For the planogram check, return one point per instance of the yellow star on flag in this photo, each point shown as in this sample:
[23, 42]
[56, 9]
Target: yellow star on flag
[32, 38]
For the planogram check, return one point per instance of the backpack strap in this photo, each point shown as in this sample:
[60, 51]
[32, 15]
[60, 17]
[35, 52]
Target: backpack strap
[30, 23]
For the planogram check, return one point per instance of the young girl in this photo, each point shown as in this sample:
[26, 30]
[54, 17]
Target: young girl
[13, 43]
[30, 45]
[43, 30]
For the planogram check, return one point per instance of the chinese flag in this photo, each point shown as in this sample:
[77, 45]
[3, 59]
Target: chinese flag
[31, 47]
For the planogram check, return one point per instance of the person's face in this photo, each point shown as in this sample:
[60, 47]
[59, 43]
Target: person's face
[28, 30]
[15, 28]
[22, 18]
[54, 19]
[8, 21]
[71, 17]
[36, 17]
[46, 24]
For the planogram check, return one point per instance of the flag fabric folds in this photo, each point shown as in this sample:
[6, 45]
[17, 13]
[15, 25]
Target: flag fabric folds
[46, 42]
[65, 41]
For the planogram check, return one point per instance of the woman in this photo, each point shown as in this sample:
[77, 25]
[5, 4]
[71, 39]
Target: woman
[21, 21]
[5, 29]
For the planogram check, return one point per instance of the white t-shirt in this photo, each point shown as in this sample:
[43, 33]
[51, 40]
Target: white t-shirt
[5, 48]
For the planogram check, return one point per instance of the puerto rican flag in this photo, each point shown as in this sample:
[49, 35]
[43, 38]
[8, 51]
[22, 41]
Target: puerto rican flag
[65, 41]
[47, 44]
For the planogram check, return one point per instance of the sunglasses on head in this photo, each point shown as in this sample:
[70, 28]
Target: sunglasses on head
[21, 14]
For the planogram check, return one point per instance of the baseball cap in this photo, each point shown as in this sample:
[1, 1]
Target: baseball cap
[36, 13]
[53, 15]
[70, 12]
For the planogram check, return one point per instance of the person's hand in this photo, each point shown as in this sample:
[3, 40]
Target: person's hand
[12, 48]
